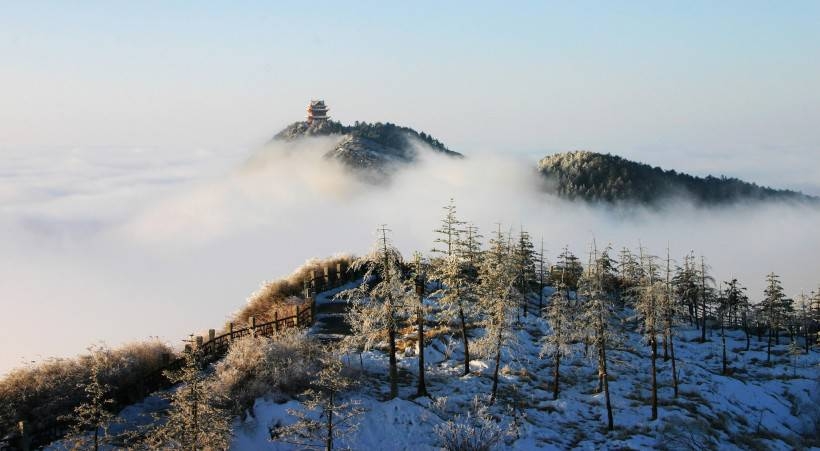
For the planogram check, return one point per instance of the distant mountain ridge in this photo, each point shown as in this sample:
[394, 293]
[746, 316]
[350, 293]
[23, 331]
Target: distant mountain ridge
[374, 147]
[597, 177]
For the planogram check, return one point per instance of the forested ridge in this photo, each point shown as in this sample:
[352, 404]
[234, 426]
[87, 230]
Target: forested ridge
[609, 178]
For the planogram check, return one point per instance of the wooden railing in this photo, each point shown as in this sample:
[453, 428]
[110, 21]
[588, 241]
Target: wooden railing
[44, 431]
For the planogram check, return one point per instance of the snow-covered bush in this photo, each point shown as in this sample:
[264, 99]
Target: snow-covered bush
[258, 366]
[474, 431]
[41, 392]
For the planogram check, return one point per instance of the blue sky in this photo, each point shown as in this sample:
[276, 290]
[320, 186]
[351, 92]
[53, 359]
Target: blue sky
[726, 87]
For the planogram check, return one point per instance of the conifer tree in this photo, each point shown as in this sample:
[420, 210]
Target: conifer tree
[649, 309]
[558, 343]
[525, 268]
[670, 309]
[94, 414]
[454, 269]
[419, 283]
[772, 306]
[381, 301]
[496, 292]
[706, 295]
[686, 284]
[542, 275]
[337, 417]
[597, 317]
[194, 420]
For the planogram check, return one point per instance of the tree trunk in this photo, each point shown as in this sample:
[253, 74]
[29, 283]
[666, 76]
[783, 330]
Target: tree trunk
[394, 372]
[665, 348]
[769, 347]
[422, 388]
[746, 330]
[495, 374]
[602, 371]
[672, 354]
[653, 343]
[703, 320]
[555, 375]
[723, 339]
[329, 412]
[464, 339]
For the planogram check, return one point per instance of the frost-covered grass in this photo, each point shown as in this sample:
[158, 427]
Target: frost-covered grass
[259, 304]
[758, 407]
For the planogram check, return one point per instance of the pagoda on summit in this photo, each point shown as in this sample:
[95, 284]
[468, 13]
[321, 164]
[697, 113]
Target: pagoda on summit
[317, 111]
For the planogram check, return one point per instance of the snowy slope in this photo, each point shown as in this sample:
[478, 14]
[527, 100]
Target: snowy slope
[756, 407]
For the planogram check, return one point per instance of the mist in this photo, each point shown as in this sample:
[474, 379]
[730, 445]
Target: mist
[124, 244]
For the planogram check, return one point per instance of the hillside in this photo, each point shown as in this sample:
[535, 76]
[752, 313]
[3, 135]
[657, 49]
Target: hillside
[608, 178]
[377, 147]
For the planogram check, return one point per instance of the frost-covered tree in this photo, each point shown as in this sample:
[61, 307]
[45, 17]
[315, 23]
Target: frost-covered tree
[453, 269]
[707, 295]
[671, 310]
[561, 317]
[496, 296]
[649, 308]
[731, 300]
[194, 419]
[772, 306]
[419, 281]
[326, 417]
[597, 316]
[629, 275]
[542, 275]
[568, 268]
[381, 301]
[94, 414]
[525, 257]
[448, 235]
[686, 284]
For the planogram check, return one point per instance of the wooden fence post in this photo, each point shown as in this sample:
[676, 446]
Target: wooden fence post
[230, 331]
[252, 323]
[339, 273]
[25, 436]
[296, 314]
[211, 334]
[276, 321]
[199, 341]
[326, 271]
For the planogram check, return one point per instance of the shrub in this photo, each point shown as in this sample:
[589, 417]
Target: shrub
[40, 393]
[259, 366]
[475, 431]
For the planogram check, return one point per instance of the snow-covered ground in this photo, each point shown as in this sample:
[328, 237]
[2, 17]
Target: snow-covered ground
[757, 407]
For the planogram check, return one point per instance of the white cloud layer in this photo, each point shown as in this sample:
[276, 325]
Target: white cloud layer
[120, 244]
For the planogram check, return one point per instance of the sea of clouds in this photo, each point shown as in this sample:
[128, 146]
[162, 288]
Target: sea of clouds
[117, 244]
